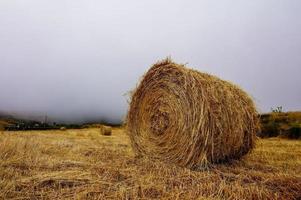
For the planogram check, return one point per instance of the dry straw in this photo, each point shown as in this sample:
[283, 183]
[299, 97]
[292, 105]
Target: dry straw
[182, 116]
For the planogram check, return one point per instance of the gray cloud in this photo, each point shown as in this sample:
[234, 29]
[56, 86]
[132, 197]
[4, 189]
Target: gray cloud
[76, 59]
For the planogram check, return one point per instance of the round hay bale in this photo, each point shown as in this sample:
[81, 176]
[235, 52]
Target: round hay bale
[106, 130]
[192, 119]
[63, 128]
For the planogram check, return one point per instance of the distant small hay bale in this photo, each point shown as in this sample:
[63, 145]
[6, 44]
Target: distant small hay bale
[182, 116]
[2, 128]
[106, 130]
[63, 128]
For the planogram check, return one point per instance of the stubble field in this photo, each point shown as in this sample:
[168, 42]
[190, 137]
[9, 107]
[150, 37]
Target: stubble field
[83, 164]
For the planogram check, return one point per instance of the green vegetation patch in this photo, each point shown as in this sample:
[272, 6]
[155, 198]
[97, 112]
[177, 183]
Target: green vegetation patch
[286, 125]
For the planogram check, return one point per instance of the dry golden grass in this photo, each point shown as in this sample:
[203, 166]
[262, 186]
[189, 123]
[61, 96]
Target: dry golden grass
[83, 164]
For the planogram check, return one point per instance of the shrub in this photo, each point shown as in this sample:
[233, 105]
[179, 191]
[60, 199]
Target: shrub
[294, 132]
[270, 129]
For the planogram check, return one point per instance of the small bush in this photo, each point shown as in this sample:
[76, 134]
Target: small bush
[281, 124]
[270, 129]
[293, 132]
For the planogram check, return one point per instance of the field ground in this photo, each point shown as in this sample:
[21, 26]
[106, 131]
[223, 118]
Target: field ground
[82, 164]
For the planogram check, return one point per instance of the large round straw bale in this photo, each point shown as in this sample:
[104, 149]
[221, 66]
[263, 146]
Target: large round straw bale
[182, 116]
[106, 130]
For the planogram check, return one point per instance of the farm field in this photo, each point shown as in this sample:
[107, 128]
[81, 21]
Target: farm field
[83, 164]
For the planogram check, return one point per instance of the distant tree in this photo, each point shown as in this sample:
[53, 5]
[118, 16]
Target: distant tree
[278, 109]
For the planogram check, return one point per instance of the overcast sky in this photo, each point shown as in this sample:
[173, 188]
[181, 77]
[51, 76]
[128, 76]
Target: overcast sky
[77, 59]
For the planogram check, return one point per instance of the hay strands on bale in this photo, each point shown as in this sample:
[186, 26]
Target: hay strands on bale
[189, 118]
